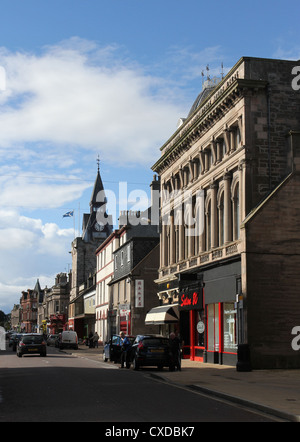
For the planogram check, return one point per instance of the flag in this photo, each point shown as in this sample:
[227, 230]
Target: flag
[68, 214]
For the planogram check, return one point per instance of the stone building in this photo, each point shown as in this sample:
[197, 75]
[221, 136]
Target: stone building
[226, 174]
[29, 304]
[15, 317]
[96, 227]
[54, 309]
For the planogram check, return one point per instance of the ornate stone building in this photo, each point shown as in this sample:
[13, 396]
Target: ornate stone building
[222, 163]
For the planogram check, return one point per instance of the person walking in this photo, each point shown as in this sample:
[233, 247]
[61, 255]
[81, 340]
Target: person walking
[125, 348]
[91, 343]
[95, 340]
[175, 351]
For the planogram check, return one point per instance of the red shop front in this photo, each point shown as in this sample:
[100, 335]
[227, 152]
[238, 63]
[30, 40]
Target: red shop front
[192, 324]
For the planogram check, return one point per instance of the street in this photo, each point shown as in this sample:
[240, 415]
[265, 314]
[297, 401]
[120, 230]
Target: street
[66, 388]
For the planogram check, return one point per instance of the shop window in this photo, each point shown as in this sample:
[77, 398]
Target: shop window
[213, 327]
[229, 328]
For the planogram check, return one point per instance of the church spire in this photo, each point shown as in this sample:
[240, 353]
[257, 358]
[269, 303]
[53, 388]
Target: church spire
[98, 187]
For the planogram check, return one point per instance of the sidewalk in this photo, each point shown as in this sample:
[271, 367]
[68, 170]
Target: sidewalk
[276, 392]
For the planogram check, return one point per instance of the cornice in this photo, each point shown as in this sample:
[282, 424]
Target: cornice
[221, 100]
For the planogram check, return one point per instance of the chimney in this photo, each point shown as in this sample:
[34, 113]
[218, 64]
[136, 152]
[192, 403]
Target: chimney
[155, 200]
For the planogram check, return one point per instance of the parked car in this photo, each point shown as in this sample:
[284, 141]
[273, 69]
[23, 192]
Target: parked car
[151, 350]
[67, 339]
[52, 339]
[32, 344]
[113, 348]
[15, 338]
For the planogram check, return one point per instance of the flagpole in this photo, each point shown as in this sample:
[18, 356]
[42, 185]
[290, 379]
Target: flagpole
[78, 219]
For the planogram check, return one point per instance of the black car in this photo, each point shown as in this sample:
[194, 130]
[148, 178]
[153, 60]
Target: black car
[113, 348]
[32, 344]
[151, 350]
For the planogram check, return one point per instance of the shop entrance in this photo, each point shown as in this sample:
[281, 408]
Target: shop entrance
[192, 332]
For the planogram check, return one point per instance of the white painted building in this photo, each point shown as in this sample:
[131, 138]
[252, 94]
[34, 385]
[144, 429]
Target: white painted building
[104, 274]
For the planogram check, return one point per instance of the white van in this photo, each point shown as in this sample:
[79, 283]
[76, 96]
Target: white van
[68, 339]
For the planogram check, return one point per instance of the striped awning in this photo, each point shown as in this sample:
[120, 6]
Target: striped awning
[165, 314]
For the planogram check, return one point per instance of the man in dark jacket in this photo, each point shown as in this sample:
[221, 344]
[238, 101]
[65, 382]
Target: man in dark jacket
[126, 346]
[175, 351]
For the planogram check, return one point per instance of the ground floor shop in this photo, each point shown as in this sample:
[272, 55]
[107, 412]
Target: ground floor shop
[205, 303]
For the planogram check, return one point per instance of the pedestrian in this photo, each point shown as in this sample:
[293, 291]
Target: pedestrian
[125, 350]
[91, 334]
[175, 351]
[95, 340]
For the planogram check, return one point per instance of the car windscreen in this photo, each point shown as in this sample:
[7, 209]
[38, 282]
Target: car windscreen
[32, 339]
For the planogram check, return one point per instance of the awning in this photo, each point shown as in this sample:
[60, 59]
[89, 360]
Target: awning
[165, 314]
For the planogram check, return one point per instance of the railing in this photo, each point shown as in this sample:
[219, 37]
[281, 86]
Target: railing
[204, 258]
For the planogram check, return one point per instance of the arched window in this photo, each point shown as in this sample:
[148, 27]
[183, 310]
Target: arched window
[236, 212]
[208, 226]
[221, 219]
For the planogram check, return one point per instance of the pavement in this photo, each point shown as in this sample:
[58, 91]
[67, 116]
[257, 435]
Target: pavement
[275, 392]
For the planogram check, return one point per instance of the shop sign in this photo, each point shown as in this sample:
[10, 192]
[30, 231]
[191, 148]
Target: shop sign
[124, 309]
[191, 300]
[139, 293]
[200, 327]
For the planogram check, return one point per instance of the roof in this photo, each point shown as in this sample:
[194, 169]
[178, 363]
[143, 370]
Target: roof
[201, 98]
[98, 187]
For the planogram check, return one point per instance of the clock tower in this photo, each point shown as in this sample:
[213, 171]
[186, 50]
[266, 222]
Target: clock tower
[97, 225]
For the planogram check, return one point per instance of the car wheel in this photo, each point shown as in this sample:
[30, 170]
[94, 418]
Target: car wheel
[135, 365]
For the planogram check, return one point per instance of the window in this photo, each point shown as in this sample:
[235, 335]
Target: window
[229, 328]
[122, 258]
[213, 327]
[236, 212]
[128, 253]
[56, 307]
[208, 226]
[221, 219]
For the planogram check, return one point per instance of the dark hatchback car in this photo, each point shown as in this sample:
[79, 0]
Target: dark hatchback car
[152, 351]
[113, 348]
[32, 344]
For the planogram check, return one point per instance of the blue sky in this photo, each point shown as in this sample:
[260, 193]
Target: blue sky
[89, 77]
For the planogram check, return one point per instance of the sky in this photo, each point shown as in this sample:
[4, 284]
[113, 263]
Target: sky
[82, 79]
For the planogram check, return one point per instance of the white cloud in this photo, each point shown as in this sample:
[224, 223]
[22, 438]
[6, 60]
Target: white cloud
[72, 101]
[29, 247]
[77, 94]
